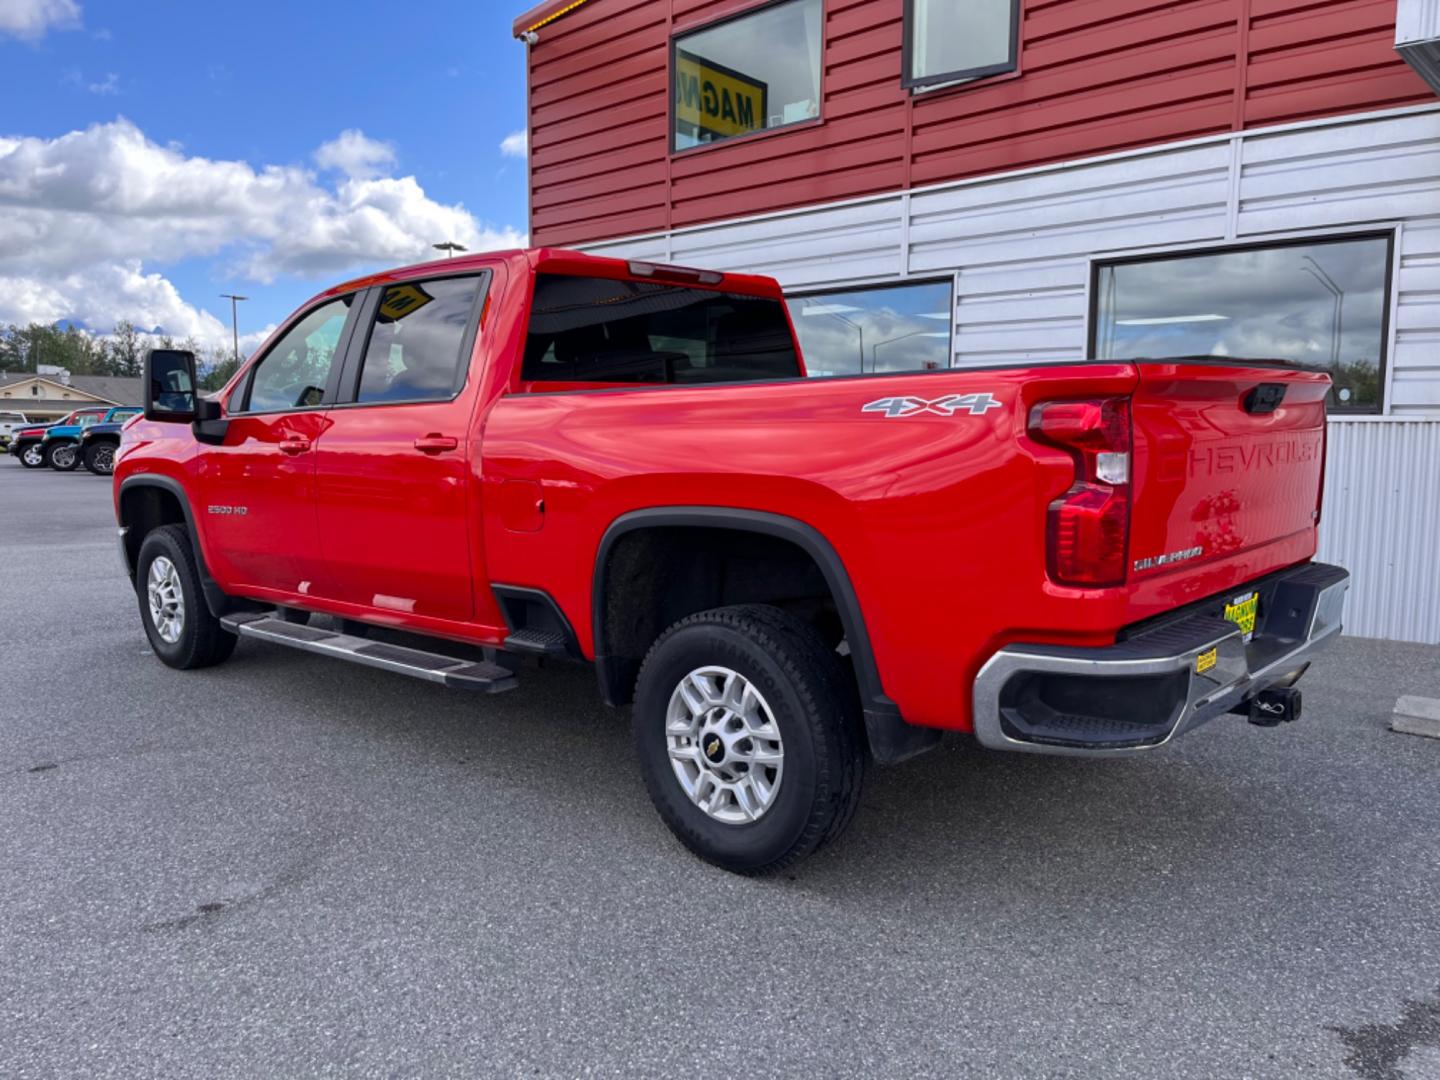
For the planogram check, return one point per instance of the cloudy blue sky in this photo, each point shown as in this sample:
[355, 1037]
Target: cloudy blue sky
[154, 155]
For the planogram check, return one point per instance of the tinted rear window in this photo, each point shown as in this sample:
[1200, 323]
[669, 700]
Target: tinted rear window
[586, 329]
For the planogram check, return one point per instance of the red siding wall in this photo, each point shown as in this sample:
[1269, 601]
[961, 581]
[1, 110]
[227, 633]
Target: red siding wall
[1095, 76]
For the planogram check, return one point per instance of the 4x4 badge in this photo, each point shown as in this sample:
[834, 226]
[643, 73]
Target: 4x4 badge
[949, 405]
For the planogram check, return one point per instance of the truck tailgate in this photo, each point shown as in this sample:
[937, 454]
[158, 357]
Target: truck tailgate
[1228, 461]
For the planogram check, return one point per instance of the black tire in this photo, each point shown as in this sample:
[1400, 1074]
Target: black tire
[814, 703]
[99, 458]
[202, 641]
[54, 456]
[32, 457]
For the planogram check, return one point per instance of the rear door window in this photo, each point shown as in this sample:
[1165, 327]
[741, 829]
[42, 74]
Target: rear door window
[419, 345]
[585, 329]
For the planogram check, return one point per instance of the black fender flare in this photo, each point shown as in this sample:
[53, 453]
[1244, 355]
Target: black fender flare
[215, 597]
[891, 739]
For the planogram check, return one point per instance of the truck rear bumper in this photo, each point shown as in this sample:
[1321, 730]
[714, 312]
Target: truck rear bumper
[1162, 680]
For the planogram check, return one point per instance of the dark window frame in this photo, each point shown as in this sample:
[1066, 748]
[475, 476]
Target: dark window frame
[700, 27]
[353, 367]
[907, 55]
[877, 286]
[1382, 361]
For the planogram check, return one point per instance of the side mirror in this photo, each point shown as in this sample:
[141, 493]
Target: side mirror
[170, 386]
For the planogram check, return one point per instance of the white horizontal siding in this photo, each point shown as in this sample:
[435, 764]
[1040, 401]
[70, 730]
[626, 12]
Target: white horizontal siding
[648, 248]
[1022, 244]
[1340, 174]
[1381, 520]
[815, 247]
[1415, 386]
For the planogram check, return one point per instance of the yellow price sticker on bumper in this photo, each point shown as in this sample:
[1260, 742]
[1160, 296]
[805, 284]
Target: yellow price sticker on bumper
[1206, 660]
[1242, 612]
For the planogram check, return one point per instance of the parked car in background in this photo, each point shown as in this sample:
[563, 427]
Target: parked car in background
[25, 444]
[60, 445]
[549, 453]
[11, 422]
[98, 442]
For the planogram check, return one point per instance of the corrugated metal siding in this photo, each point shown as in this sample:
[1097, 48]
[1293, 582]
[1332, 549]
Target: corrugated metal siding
[1095, 76]
[1381, 520]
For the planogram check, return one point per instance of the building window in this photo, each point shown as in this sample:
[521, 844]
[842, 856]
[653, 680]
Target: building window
[953, 40]
[750, 73]
[1318, 304]
[886, 328]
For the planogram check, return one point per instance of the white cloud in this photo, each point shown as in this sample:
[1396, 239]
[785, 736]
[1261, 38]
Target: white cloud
[516, 144]
[82, 215]
[30, 19]
[355, 154]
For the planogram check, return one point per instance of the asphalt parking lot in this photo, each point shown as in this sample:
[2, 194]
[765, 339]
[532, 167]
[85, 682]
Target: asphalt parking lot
[290, 866]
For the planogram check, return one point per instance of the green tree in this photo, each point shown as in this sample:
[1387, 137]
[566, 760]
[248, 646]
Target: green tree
[127, 351]
[219, 365]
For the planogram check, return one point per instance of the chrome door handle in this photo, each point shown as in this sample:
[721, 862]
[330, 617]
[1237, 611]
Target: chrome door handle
[434, 444]
[294, 444]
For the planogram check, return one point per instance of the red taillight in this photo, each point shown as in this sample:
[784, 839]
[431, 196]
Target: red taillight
[1088, 527]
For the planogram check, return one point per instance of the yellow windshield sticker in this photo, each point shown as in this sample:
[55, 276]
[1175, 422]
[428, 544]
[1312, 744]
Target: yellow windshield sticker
[402, 300]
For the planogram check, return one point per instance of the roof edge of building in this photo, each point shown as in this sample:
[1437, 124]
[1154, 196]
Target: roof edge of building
[543, 14]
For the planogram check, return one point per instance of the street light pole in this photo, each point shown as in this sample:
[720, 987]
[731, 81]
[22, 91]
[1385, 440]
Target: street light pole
[449, 247]
[875, 349]
[235, 320]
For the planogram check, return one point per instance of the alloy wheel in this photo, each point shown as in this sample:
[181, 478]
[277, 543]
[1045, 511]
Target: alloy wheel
[724, 745]
[166, 599]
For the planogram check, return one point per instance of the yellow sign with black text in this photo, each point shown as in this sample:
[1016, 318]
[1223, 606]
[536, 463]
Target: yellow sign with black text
[714, 100]
[402, 300]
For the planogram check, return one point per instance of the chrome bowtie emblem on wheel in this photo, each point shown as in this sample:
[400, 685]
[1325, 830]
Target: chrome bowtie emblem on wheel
[894, 407]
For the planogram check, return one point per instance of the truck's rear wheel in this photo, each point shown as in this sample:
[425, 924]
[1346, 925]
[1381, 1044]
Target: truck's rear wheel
[181, 630]
[748, 733]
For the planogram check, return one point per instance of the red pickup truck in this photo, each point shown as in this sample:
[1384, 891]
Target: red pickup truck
[443, 469]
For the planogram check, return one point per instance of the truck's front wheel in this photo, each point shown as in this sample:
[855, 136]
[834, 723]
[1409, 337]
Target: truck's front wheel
[748, 733]
[181, 630]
